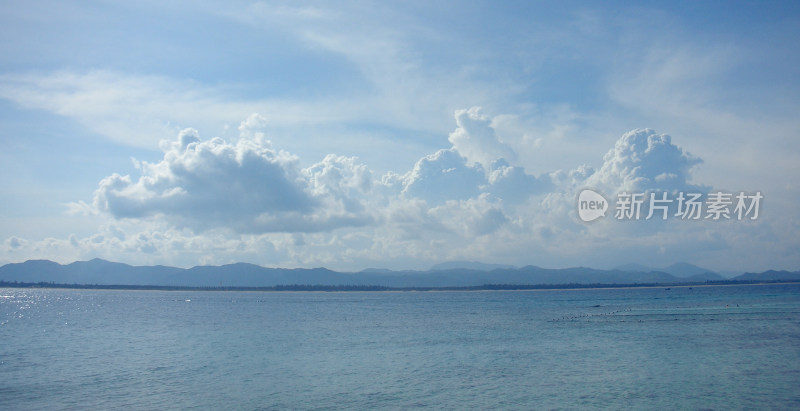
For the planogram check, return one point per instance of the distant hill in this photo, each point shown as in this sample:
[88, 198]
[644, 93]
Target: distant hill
[770, 275]
[685, 271]
[636, 267]
[729, 273]
[102, 272]
[469, 265]
[96, 271]
[377, 270]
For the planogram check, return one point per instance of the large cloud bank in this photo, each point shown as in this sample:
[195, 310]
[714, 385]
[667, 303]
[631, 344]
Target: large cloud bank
[249, 187]
[213, 200]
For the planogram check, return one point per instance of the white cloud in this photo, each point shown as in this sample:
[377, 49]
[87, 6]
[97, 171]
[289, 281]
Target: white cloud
[141, 111]
[339, 176]
[252, 128]
[201, 189]
[473, 217]
[476, 140]
[250, 187]
[720, 96]
[214, 201]
[245, 187]
[644, 160]
[443, 176]
[382, 82]
[513, 184]
[478, 162]
[135, 110]
[13, 243]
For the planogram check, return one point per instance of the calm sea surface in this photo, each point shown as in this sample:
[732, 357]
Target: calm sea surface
[734, 347]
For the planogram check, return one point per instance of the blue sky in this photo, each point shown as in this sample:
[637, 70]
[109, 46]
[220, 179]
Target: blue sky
[393, 134]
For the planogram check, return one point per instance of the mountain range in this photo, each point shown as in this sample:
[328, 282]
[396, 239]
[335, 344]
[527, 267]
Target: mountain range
[681, 270]
[102, 272]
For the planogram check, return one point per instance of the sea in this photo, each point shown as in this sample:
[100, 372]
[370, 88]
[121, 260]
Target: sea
[687, 348]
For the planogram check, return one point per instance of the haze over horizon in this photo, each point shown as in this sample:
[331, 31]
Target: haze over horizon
[394, 134]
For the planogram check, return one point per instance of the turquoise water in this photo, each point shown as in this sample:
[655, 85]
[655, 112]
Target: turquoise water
[700, 348]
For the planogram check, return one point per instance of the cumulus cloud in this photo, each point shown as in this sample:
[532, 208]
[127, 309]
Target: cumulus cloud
[443, 176]
[473, 217]
[247, 187]
[446, 175]
[337, 211]
[15, 243]
[645, 160]
[477, 163]
[513, 184]
[476, 140]
[252, 128]
[339, 176]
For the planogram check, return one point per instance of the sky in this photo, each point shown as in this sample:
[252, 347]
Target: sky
[356, 134]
